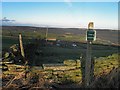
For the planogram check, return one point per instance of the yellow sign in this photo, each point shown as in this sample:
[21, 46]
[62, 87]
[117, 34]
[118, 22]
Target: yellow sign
[90, 25]
[90, 33]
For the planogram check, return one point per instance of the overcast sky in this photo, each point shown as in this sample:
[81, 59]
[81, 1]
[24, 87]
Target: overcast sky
[63, 14]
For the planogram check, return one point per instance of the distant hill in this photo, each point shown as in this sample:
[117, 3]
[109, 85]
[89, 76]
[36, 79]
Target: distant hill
[103, 34]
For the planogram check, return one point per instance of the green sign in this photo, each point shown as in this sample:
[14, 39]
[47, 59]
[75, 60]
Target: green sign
[91, 35]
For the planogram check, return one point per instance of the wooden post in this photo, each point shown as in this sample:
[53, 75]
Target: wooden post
[92, 69]
[21, 46]
[88, 62]
[83, 68]
[23, 55]
[88, 65]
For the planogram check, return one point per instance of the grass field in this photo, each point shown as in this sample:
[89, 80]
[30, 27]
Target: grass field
[8, 41]
[104, 53]
[59, 54]
[55, 54]
[11, 33]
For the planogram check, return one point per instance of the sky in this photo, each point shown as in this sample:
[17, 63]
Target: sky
[63, 14]
[60, 0]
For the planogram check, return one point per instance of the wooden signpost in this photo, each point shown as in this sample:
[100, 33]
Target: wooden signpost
[90, 36]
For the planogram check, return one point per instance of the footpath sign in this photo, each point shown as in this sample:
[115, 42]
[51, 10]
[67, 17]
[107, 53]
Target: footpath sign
[90, 33]
[90, 36]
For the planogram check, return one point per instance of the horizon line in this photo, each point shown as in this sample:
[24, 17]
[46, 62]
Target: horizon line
[54, 27]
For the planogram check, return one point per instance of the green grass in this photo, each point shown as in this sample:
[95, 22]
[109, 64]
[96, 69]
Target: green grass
[55, 54]
[74, 38]
[102, 66]
[59, 54]
[8, 41]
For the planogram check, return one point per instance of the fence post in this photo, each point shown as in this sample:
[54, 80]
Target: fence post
[21, 46]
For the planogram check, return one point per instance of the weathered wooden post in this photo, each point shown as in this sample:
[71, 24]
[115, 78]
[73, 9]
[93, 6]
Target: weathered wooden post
[83, 68]
[23, 55]
[92, 69]
[90, 36]
[21, 46]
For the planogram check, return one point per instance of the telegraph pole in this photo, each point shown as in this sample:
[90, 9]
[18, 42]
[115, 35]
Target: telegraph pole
[90, 36]
[46, 34]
